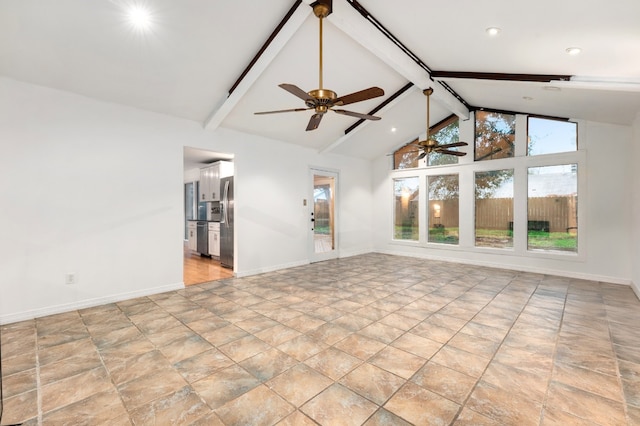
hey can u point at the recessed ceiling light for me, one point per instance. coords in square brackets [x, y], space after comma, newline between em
[393, 130]
[573, 50]
[493, 31]
[552, 88]
[139, 16]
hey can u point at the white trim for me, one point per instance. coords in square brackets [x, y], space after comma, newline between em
[87, 303]
[224, 106]
[520, 268]
[635, 289]
[335, 175]
[351, 253]
[271, 269]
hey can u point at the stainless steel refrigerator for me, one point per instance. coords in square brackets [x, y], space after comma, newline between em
[226, 222]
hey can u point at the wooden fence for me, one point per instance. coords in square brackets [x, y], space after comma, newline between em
[497, 213]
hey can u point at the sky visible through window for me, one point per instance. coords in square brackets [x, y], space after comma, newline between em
[551, 136]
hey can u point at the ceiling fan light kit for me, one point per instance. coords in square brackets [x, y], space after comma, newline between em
[322, 100]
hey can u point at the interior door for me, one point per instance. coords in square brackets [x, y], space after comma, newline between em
[323, 223]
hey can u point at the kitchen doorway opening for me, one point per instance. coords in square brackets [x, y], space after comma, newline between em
[202, 203]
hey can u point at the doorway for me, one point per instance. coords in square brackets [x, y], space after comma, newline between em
[323, 235]
[199, 268]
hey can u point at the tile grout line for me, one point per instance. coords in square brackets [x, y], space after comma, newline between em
[553, 357]
[38, 379]
[466, 400]
[625, 405]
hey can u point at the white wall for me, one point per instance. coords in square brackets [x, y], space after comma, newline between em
[97, 189]
[604, 203]
[635, 190]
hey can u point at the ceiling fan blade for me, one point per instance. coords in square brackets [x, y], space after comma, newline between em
[447, 151]
[451, 145]
[362, 95]
[282, 110]
[314, 121]
[421, 156]
[355, 114]
[295, 90]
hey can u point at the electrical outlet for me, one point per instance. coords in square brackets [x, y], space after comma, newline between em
[70, 278]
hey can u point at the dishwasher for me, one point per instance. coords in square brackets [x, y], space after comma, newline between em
[203, 238]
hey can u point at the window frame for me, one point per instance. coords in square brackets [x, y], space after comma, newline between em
[516, 143]
[424, 162]
[520, 163]
[545, 117]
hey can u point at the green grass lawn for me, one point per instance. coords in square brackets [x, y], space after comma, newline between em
[537, 240]
[552, 240]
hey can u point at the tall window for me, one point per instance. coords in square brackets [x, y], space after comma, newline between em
[443, 209]
[549, 136]
[495, 135]
[552, 208]
[494, 208]
[406, 214]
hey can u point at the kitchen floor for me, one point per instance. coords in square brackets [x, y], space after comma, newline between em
[199, 269]
[372, 339]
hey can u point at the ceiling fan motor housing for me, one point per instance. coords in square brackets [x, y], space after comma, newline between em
[322, 99]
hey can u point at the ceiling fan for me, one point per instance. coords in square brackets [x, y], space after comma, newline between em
[430, 145]
[322, 100]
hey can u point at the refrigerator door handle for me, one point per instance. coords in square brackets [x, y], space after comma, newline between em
[225, 201]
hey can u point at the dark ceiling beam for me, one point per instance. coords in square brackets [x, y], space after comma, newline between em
[286, 29]
[266, 44]
[536, 78]
[380, 106]
[369, 17]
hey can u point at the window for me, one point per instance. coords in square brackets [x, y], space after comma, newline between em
[447, 131]
[406, 192]
[495, 135]
[406, 157]
[444, 132]
[549, 136]
[552, 206]
[443, 209]
[531, 189]
[494, 208]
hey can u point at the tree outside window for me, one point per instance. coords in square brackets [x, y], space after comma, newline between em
[495, 135]
[406, 214]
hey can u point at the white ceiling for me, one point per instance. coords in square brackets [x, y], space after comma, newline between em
[194, 51]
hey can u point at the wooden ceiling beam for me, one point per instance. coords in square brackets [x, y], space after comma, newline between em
[289, 25]
[536, 78]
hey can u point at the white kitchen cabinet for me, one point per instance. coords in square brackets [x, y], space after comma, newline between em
[192, 233]
[214, 239]
[210, 180]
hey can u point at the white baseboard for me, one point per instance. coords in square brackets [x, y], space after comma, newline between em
[351, 253]
[536, 270]
[87, 303]
[257, 271]
[635, 289]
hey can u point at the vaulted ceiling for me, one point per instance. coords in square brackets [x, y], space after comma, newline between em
[194, 52]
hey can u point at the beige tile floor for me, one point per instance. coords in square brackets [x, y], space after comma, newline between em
[372, 339]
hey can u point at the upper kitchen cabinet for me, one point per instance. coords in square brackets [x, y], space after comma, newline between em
[210, 179]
